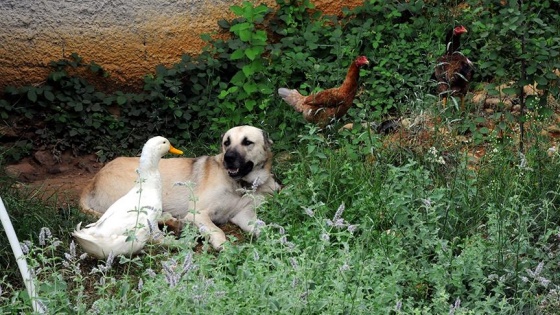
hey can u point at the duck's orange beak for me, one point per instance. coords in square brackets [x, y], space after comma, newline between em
[174, 150]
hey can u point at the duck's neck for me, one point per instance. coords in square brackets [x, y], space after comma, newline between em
[148, 168]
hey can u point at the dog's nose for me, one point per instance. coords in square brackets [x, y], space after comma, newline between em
[230, 156]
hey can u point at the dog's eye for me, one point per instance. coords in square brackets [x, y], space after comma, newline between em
[246, 142]
[227, 142]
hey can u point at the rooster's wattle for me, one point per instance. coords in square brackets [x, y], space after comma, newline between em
[453, 70]
[321, 107]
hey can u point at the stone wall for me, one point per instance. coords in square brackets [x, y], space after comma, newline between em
[128, 38]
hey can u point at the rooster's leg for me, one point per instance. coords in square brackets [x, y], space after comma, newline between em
[462, 103]
[444, 101]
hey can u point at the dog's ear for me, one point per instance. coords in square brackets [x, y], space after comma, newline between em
[267, 141]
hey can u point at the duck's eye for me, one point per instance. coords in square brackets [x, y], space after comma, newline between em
[246, 142]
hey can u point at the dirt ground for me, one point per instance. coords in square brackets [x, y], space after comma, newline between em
[60, 177]
[55, 179]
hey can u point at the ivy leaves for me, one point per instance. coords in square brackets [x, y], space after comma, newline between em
[233, 81]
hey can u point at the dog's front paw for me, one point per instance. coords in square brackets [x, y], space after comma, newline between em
[217, 242]
[174, 225]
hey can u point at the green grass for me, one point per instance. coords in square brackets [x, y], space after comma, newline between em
[399, 233]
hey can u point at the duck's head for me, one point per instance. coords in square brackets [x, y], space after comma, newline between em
[160, 146]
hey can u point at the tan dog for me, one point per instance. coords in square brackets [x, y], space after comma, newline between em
[216, 186]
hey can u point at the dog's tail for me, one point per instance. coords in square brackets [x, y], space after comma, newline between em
[85, 201]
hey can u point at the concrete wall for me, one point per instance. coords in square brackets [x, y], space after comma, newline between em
[128, 38]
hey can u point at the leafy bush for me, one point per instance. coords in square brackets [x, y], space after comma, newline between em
[346, 235]
[234, 80]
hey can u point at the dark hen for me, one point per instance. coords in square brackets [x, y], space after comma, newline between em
[325, 105]
[453, 70]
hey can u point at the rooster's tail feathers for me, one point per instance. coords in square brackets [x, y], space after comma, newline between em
[292, 97]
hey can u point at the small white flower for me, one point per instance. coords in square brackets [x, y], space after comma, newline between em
[339, 223]
[295, 282]
[339, 212]
[72, 248]
[294, 263]
[543, 281]
[398, 306]
[204, 230]
[309, 212]
[457, 303]
[256, 183]
[25, 247]
[539, 268]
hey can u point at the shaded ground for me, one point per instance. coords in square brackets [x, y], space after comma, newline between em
[60, 177]
[54, 178]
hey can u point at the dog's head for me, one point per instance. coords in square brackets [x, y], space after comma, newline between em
[246, 153]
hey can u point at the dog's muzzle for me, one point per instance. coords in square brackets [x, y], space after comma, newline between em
[235, 164]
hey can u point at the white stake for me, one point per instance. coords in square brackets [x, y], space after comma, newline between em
[22, 263]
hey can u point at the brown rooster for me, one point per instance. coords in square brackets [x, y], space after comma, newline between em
[453, 70]
[321, 107]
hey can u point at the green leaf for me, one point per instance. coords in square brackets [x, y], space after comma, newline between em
[94, 67]
[49, 96]
[238, 54]
[250, 88]
[541, 80]
[96, 107]
[484, 130]
[250, 104]
[510, 91]
[121, 99]
[260, 35]
[248, 70]
[253, 52]
[240, 27]
[239, 78]
[237, 10]
[245, 35]
[32, 95]
[223, 23]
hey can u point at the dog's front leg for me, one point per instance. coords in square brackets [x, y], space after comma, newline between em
[206, 226]
[247, 220]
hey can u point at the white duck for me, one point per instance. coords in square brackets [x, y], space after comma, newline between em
[124, 227]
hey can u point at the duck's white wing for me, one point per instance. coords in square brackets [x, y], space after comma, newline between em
[131, 208]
